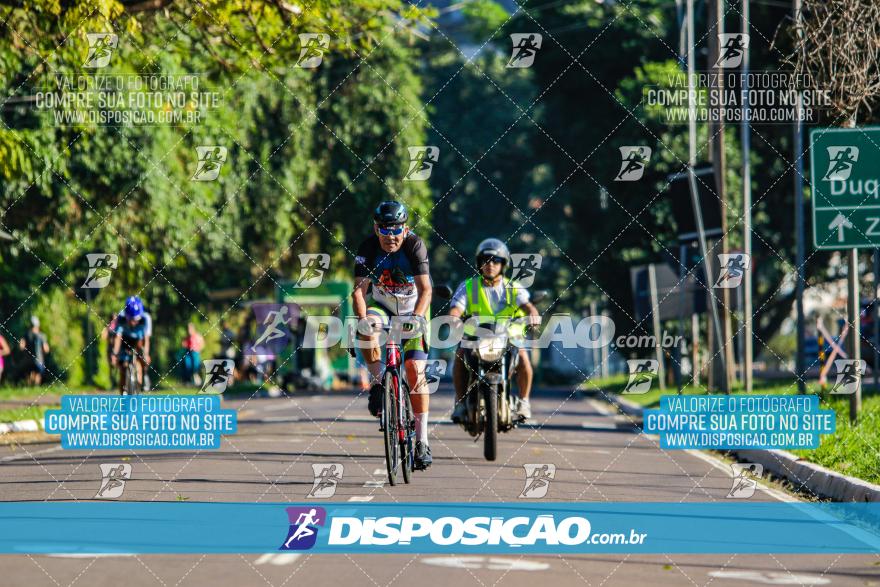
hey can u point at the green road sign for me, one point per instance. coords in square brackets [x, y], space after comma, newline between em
[845, 176]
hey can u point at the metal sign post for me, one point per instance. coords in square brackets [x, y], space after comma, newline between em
[655, 320]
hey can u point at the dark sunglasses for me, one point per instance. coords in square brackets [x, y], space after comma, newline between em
[391, 230]
[492, 259]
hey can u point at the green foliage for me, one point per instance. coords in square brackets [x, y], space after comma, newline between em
[61, 322]
[309, 153]
[483, 18]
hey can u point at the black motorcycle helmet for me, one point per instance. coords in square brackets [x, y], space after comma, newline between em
[390, 212]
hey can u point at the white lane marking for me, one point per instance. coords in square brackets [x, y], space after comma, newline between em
[28, 454]
[271, 419]
[771, 578]
[721, 465]
[360, 498]
[378, 471]
[89, 554]
[480, 562]
[374, 484]
[278, 558]
[598, 426]
[276, 440]
[359, 419]
[601, 408]
[289, 404]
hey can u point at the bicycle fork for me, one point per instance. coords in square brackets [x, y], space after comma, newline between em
[393, 364]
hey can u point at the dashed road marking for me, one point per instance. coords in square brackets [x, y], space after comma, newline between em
[771, 578]
[481, 562]
[278, 558]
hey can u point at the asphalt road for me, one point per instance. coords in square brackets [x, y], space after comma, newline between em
[597, 458]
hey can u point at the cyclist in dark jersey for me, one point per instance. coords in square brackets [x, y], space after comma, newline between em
[129, 344]
[394, 261]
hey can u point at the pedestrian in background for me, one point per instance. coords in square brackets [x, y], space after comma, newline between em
[192, 344]
[35, 344]
[4, 352]
[109, 334]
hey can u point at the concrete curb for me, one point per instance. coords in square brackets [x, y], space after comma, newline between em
[802, 474]
[19, 426]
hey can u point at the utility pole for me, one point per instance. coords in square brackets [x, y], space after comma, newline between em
[800, 361]
[692, 183]
[716, 149]
[745, 130]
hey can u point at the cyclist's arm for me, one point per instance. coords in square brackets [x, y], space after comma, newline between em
[534, 317]
[359, 296]
[424, 289]
[117, 344]
[458, 301]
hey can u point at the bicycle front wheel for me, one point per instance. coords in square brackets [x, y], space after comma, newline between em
[407, 452]
[390, 414]
[130, 387]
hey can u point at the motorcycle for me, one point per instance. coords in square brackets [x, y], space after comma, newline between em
[491, 359]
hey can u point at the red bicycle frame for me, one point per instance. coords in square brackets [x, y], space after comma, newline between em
[393, 363]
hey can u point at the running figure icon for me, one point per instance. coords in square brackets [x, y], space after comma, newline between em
[279, 318]
[303, 522]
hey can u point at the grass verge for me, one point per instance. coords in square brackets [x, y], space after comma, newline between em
[853, 449]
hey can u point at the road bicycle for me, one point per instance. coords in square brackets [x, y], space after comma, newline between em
[398, 422]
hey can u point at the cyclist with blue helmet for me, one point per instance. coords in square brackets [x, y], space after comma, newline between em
[132, 339]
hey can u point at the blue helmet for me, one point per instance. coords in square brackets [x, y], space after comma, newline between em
[134, 308]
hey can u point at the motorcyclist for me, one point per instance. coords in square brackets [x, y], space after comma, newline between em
[494, 298]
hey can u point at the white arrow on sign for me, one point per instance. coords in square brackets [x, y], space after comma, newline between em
[840, 222]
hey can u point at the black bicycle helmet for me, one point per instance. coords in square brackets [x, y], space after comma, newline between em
[390, 212]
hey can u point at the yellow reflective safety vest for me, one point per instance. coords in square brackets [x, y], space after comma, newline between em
[478, 305]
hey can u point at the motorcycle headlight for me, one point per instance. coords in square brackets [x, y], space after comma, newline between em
[491, 348]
